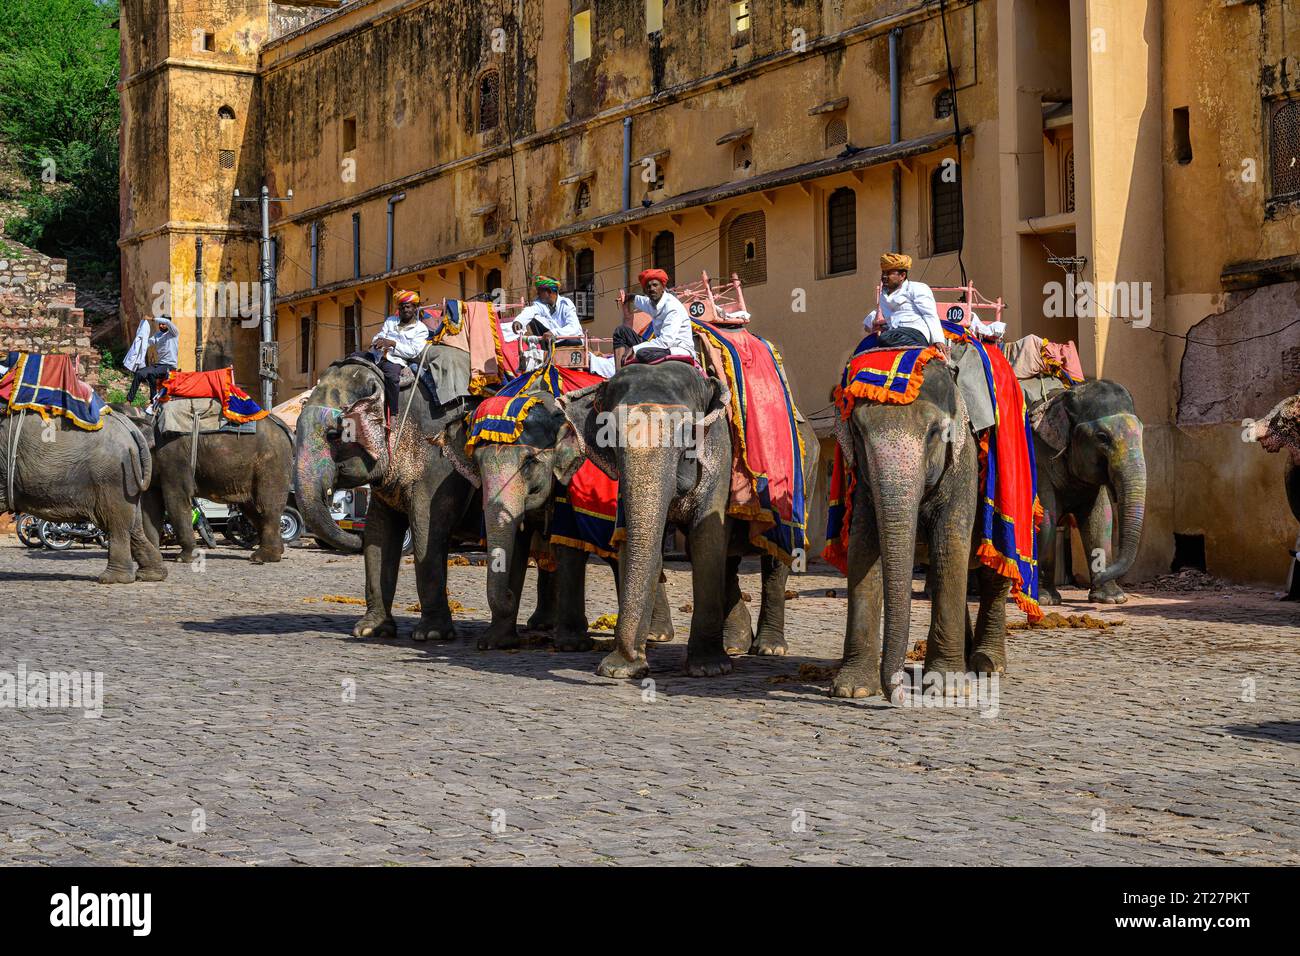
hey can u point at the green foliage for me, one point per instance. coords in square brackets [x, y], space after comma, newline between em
[59, 117]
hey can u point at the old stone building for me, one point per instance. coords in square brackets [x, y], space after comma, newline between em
[1147, 149]
[38, 307]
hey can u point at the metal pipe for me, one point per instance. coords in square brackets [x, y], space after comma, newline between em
[268, 295]
[198, 303]
[896, 136]
[627, 198]
[315, 254]
[392, 201]
[356, 245]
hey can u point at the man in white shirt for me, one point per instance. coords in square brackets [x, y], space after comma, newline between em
[551, 313]
[670, 325]
[401, 338]
[166, 345]
[907, 316]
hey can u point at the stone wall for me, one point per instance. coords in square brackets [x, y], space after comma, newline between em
[38, 310]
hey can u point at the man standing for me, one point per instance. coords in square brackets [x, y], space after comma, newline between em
[401, 339]
[550, 313]
[670, 326]
[907, 315]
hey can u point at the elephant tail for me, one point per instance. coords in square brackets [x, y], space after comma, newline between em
[141, 473]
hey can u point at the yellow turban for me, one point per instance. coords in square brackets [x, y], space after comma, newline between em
[406, 295]
[895, 260]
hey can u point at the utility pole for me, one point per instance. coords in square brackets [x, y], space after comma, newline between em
[268, 357]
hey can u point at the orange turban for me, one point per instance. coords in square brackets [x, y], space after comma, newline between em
[406, 295]
[895, 260]
[649, 274]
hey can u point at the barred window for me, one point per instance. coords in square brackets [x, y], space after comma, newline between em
[306, 343]
[1284, 150]
[664, 254]
[583, 200]
[943, 104]
[352, 328]
[489, 101]
[226, 159]
[1068, 200]
[945, 208]
[584, 267]
[747, 248]
[837, 132]
[842, 231]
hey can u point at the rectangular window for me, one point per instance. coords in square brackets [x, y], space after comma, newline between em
[1182, 136]
[654, 16]
[582, 36]
[209, 42]
[352, 328]
[306, 344]
[945, 208]
[1284, 150]
[349, 134]
[740, 23]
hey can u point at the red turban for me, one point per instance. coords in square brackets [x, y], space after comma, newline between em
[649, 274]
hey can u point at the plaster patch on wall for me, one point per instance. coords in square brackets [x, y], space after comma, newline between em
[1227, 374]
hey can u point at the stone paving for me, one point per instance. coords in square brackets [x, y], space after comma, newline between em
[1171, 739]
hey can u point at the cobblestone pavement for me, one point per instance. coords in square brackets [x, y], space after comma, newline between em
[225, 693]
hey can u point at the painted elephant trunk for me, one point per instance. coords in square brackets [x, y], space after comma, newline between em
[896, 514]
[1128, 472]
[650, 475]
[314, 475]
[504, 504]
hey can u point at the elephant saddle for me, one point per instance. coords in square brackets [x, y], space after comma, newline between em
[49, 386]
[218, 385]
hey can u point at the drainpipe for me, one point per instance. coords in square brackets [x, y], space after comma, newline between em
[896, 135]
[627, 198]
[315, 254]
[392, 201]
[198, 303]
[356, 245]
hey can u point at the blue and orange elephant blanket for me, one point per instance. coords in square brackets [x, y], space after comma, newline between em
[49, 386]
[217, 384]
[585, 514]
[1009, 513]
[768, 484]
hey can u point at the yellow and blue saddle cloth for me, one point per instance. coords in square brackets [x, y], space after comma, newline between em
[48, 385]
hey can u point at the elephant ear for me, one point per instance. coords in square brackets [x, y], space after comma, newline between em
[451, 440]
[960, 428]
[362, 424]
[581, 410]
[1051, 422]
[568, 455]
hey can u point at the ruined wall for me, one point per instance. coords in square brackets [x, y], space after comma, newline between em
[38, 310]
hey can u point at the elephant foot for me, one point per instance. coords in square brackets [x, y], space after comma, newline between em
[856, 682]
[982, 663]
[1048, 596]
[116, 576]
[158, 573]
[707, 665]
[769, 644]
[540, 621]
[499, 639]
[619, 667]
[741, 642]
[570, 641]
[661, 637]
[264, 557]
[185, 557]
[432, 630]
[376, 626]
[1108, 593]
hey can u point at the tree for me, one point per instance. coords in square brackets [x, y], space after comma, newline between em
[59, 117]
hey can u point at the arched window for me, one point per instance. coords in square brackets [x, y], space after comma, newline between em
[945, 208]
[584, 268]
[837, 132]
[842, 231]
[663, 254]
[492, 282]
[582, 202]
[1284, 150]
[225, 114]
[489, 101]
[746, 248]
[742, 157]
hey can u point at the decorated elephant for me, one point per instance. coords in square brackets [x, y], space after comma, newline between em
[1088, 445]
[341, 442]
[60, 472]
[662, 430]
[252, 469]
[909, 466]
[522, 474]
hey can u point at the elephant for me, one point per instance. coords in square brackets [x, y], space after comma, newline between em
[1278, 430]
[917, 472]
[341, 443]
[666, 476]
[1088, 447]
[520, 481]
[61, 472]
[251, 470]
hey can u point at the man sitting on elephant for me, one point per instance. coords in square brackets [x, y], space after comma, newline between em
[401, 339]
[551, 314]
[907, 315]
[670, 325]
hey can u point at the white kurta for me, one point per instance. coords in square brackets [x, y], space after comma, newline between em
[669, 323]
[910, 306]
[562, 321]
[137, 355]
[411, 339]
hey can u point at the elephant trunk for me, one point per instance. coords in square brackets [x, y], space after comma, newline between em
[650, 477]
[314, 474]
[1128, 475]
[505, 495]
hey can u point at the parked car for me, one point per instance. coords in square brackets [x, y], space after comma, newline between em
[239, 530]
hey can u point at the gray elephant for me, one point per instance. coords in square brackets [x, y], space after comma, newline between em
[917, 473]
[520, 481]
[1088, 447]
[251, 470]
[1276, 431]
[61, 472]
[341, 443]
[633, 427]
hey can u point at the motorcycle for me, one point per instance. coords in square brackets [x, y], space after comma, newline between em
[28, 528]
[62, 535]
